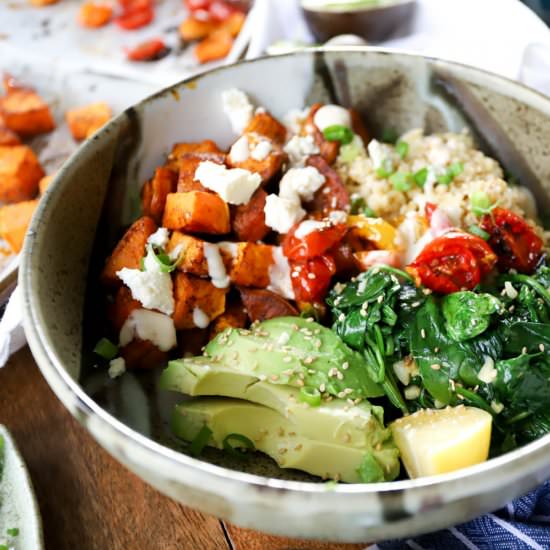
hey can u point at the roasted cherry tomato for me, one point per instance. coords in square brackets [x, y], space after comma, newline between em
[311, 278]
[197, 4]
[452, 262]
[149, 50]
[220, 11]
[512, 238]
[314, 243]
[134, 18]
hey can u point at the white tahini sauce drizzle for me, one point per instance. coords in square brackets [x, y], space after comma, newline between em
[216, 268]
[200, 318]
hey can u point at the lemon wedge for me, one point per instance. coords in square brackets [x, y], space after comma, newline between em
[436, 441]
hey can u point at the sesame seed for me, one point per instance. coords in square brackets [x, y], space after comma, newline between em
[435, 366]
[339, 375]
[317, 331]
[541, 347]
[298, 447]
[436, 350]
[347, 391]
[341, 317]
[310, 320]
[281, 432]
[311, 371]
[291, 434]
[351, 401]
[300, 383]
[308, 360]
[262, 377]
[345, 366]
[322, 388]
[275, 377]
[341, 395]
[311, 276]
[415, 304]
[380, 298]
[423, 333]
[294, 274]
[288, 372]
[524, 350]
[283, 450]
[287, 359]
[473, 322]
[426, 291]
[347, 437]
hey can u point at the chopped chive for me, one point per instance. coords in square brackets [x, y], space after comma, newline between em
[480, 203]
[444, 179]
[13, 532]
[240, 441]
[456, 169]
[165, 263]
[200, 441]
[401, 181]
[478, 232]
[421, 177]
[385, 169]
[389, 135]
[402, 148]
[106, 349]
[340, 133]
[349, 152]
[311, 396]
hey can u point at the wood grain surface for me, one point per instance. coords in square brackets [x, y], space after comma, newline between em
[88, 500]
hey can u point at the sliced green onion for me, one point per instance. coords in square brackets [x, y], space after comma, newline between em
[106, 349]
[389, 135]
[349, 152]
[3, 547]
[240, 441]
[311, 396]
[368, 212]
[13, 532]
[444, 179]
[480, 203]
[401, 181]
[420, 177]
[357, 205]
[476, 230]
[337, 132]
[385, 169]
[200, 441]
[402, 148]
[165, 263]
[456, 169]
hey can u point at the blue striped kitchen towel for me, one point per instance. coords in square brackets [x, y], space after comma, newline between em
[524, 524]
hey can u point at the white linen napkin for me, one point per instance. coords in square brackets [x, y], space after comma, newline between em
[502, 36]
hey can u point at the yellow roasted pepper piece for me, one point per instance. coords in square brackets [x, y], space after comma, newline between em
[434, 441]
[375, 230]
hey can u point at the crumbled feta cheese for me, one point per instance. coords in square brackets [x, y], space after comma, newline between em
[309, 226]
[300, 182]
[216, 267]
[117, 367]
[149, 325]
[240, 150]
[377, 153]
[238, 108]
[200, 319]
[150, 287]
[488, 373]
[299, 148]
[338, 216]
[159, 237]
[294, 119]
[281, 214]
[262, 150]
[234, 185]
[510, 291]
[332, 115]
[279, 275]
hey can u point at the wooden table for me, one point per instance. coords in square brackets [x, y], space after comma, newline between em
[88, 500]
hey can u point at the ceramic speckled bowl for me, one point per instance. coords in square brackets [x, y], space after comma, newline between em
[75, 226]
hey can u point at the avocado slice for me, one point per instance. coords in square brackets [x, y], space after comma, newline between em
[295, 352]
[336, 421]
[284, 440]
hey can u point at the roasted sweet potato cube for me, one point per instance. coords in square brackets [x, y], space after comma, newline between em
[121, 308]
[197, 212]
[191, 341]
[143, 355]
[191, 258]
[7, 136]
[184, 148]
[94, 14]
[163, 183]
[40, 3]
[267, 167]
[26, 113]
[146, 197]
[215, 46]
[14, 222]
[20, 173]
[234, 23]
[268, 126]
[251, 265]
[129, 250]
[248, 220]
[262, 304]
[197, 301]
[233, 317]
[188, 164]
[44, 183]
[329, 149]
[196, 29]
[84, 121]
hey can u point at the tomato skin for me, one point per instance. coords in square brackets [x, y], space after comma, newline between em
[452, 262]
[197, 4]
[516, 244]
[311, 278]
[313, 244]
[135, 18]
[147, 51]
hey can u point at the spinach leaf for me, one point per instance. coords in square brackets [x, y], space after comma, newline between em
[468, 314]
[528, 337]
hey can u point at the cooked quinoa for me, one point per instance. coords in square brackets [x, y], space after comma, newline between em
[436, 153]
